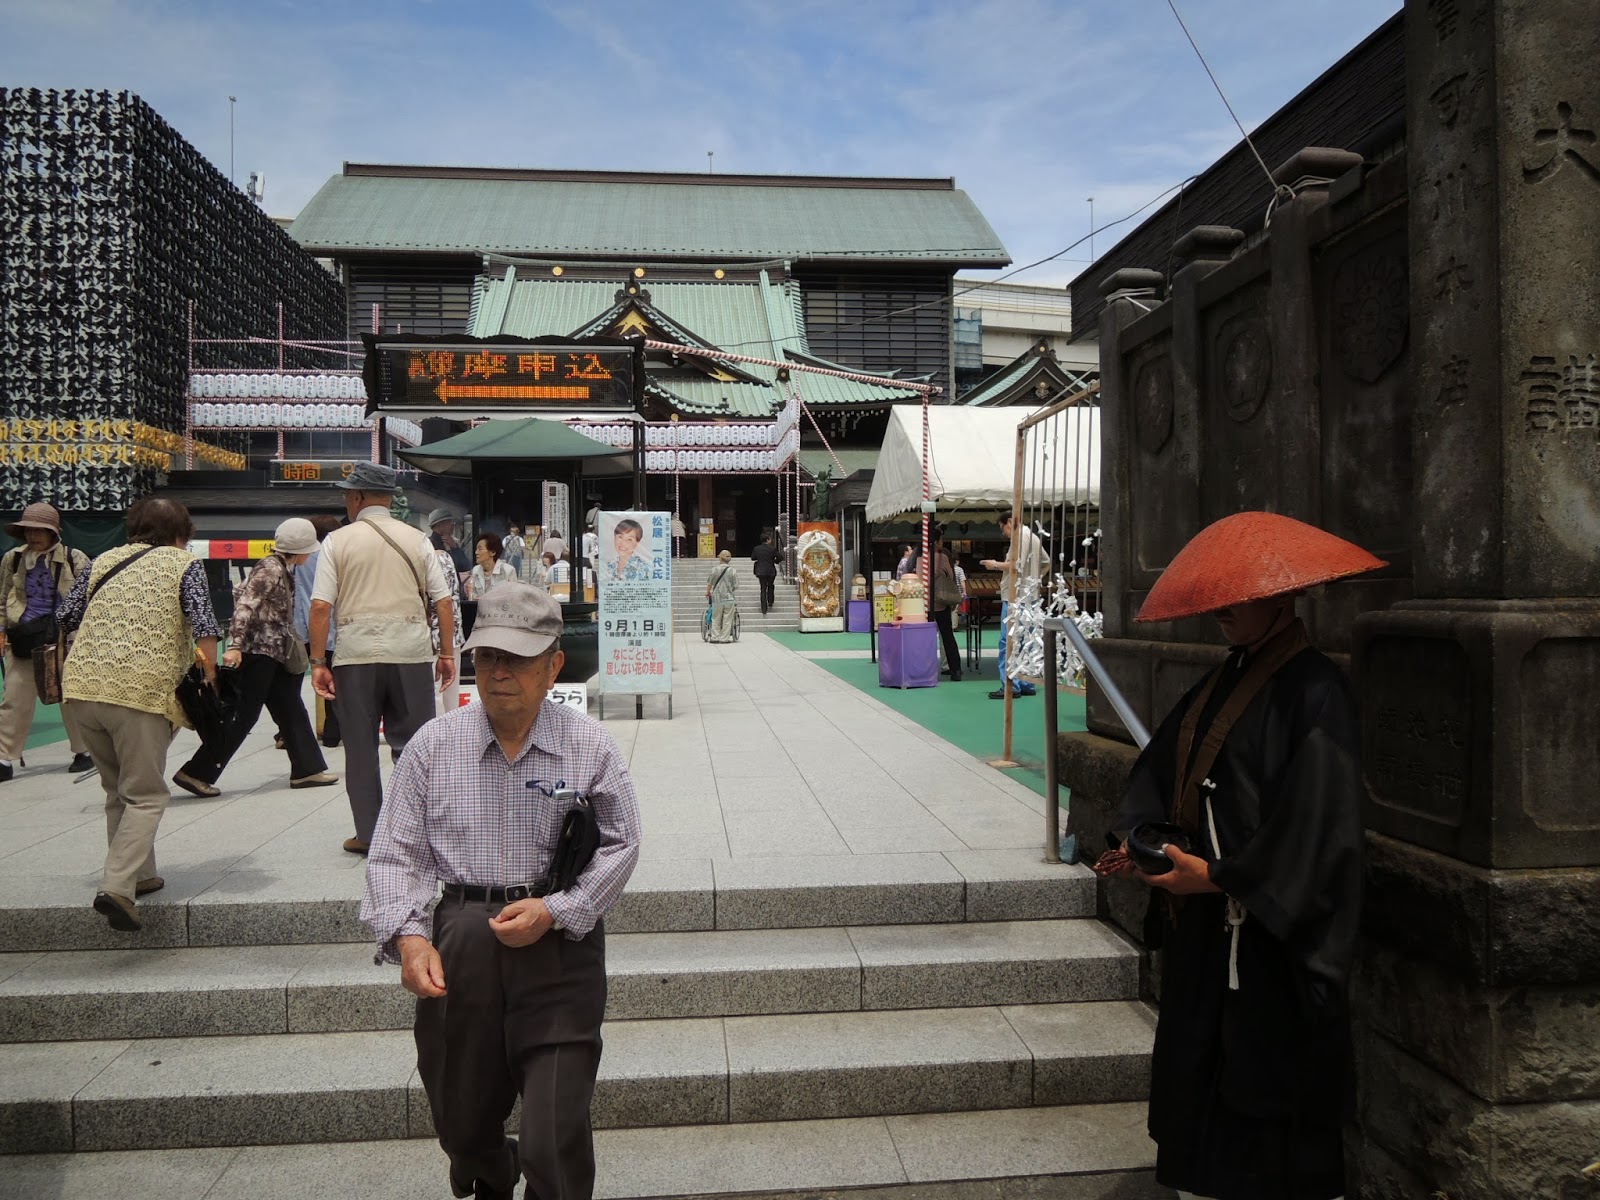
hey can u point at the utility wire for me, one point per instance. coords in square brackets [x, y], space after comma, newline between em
[900, 312]
[1267, 171]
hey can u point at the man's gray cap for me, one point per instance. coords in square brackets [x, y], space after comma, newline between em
[370, 477]
[440, 514]
[518, 618]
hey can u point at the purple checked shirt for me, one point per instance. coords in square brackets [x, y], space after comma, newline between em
[456, 812]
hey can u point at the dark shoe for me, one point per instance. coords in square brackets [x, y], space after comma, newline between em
[145, 886]
[479, 1190]
[1027, 691]
[356, 845]
[194, 786]
[80, 763]
[6, 773]
[998, 694]
[122, 913]
[332, 743]
[320, 779]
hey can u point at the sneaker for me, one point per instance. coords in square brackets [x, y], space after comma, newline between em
[320, 779]
[6, 773]
[79, 764]
[194, 786]
[145, 886]
[122, 913]
[356, 845]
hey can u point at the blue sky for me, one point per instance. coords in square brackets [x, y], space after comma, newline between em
[1032, 105]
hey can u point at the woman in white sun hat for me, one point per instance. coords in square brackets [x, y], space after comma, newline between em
[271, 662]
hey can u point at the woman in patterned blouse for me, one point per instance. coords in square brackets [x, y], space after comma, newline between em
[262, 640]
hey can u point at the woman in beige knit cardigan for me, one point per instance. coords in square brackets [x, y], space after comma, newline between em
[140, 612]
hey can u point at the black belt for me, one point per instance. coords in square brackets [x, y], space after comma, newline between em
[496, 895]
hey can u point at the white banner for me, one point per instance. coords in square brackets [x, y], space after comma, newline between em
[635, 602]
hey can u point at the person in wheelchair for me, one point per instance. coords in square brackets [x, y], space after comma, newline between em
[720, 589]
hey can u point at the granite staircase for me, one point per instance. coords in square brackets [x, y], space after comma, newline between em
[689, 597]
[774, 1026]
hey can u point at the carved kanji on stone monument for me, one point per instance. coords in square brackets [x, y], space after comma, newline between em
[1561, 145]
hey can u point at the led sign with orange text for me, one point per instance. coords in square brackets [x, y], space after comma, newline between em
[499, 375]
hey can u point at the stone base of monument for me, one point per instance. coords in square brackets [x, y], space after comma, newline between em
[1474, 1001]
[821, 624]
[1478, 736]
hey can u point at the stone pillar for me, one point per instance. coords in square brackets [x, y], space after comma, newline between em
[1480, 988]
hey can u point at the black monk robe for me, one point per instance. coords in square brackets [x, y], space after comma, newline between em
[1250, 1087]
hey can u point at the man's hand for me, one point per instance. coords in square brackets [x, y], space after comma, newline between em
[1190, 874]
[421, 968]
[522, 922]
[322, 681]
[990, 564]
[444, 670]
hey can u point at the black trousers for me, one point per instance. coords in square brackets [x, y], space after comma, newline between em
[513, 1022]
[263, 682]
[947, 635]
[768, 591]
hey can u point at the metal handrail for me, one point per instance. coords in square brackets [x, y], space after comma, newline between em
[1130, 719]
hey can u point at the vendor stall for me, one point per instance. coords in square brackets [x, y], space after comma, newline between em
[974, 464]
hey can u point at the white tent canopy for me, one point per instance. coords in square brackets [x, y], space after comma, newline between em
[972, 460]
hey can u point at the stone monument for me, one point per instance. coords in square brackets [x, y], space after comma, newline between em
[1481, 979]
[1409, 357]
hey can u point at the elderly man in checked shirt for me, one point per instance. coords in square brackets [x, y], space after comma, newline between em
[511, 985]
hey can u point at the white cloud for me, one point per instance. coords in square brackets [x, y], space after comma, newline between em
[1032, 105]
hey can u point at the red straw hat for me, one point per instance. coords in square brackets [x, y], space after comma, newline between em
[1250, 556]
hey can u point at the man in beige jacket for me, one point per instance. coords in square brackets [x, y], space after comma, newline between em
[383, 577]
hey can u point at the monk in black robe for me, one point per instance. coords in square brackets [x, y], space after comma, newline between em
[1252, 1077]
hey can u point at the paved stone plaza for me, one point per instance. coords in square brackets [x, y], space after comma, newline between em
[840, 963]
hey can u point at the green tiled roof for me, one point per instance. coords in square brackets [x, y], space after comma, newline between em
[1021, 369]
[754, 317]
[639, 217]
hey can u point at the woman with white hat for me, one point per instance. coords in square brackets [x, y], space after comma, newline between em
[271, 661]
[33, 578]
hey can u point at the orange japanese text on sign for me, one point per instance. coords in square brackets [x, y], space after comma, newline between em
[585, 366]
[434, 363]
[537, 365]
[486, 365]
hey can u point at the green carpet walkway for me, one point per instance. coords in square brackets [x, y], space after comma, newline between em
[961, 713]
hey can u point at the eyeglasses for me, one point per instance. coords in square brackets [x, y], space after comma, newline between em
[488, 659]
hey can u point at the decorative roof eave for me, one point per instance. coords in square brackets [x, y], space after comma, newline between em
[1033, 377]
[661, 327]
[654, 389]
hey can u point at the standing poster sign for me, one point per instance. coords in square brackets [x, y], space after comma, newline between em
[635, 602]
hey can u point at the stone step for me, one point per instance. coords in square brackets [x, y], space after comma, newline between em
[100, 994]
[1080, 1152]
[325, 1087]
[197, 908]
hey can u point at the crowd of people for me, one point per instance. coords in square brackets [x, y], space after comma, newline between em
[510, 827]
[520, 814]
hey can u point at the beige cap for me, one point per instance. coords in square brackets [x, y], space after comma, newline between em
[295, 536]
[517, 618]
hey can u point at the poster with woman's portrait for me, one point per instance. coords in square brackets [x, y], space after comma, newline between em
[635, 581]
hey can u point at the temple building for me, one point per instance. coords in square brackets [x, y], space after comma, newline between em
[841, 274]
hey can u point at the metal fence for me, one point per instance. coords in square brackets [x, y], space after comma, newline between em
[1056, 500]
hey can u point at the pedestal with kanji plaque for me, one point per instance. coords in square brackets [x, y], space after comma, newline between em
[1479, 988]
